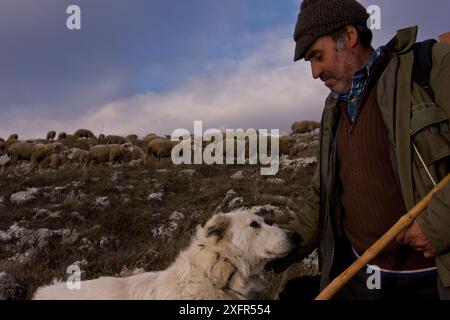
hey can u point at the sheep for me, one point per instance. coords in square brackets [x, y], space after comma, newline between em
[42, 151]
[304, 126]
[132, 138]
[51, 135]
[20, 151]
[12, 136]
[109, 153]
[160, 148]
[84, 133]
[62, 135]
[112, 139]
[150, 137]
[78, 155]
[53, 161]
[101, 139]
[285, 145]
[139, 154]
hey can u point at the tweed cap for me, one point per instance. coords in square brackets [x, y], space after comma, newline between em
[318, 18]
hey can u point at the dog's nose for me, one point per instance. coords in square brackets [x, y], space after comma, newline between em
[294, 237]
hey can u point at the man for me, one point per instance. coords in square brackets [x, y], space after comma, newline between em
[378, 129]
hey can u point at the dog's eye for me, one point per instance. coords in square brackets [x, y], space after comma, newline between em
[255, 225]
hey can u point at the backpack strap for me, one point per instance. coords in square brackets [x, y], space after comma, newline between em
[422, 65]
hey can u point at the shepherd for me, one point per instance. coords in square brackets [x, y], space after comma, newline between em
[385, 143]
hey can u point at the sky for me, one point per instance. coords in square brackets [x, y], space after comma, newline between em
[157, 65]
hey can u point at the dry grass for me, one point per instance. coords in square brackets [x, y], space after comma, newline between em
[127, 222]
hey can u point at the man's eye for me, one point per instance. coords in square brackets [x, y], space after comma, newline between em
[255, 224]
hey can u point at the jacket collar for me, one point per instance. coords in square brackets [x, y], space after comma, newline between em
[404, 40]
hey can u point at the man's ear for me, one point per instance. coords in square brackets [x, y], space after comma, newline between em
[217, 226]
[352, 36]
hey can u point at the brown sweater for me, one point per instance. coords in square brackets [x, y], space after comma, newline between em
[371, 197]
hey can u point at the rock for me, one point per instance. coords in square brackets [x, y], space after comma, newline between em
[176, 216]
[235, 202]
[155, 198]
[10, 289]
[102, 202]
[77, 184]
[109, 243]
[238, 175]
[69, 237]
[276, 181]
[187, 172]
[4, 159]
[164, 231]
[86, 245]
[114, 176]
[25, 257]
[77, 215]
[136, 163]
[24, 196]
[74, 197]
[44, 213]
[149, 258]
[295, 164]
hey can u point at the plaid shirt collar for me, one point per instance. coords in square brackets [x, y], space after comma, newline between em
[359, 81]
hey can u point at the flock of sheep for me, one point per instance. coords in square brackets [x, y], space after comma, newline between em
[84, 149]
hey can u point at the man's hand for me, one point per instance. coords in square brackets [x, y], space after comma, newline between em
[414, 237]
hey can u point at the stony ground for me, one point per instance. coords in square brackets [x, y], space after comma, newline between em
[129, 219]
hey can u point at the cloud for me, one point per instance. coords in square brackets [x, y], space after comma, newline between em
[262, 90]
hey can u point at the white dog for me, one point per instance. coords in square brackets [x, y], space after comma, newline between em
[225, 260]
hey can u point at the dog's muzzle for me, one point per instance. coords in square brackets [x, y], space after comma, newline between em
[281, 264]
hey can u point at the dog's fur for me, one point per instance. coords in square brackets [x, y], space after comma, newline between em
[225, 260]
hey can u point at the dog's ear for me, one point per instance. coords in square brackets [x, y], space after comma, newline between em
[217, 227]
[221, 273]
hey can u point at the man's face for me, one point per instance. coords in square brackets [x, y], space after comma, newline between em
[334, 68]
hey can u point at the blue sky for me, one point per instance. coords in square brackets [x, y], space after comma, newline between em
[153, 66]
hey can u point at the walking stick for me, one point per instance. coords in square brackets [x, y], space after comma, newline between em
[380, 244]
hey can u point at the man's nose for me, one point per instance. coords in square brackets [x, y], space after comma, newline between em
[316, 70]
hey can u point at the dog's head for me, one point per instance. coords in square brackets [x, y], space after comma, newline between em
[247, 233]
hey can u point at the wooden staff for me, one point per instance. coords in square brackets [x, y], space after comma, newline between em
[381, 243]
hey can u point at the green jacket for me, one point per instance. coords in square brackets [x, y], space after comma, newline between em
[410, 116]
